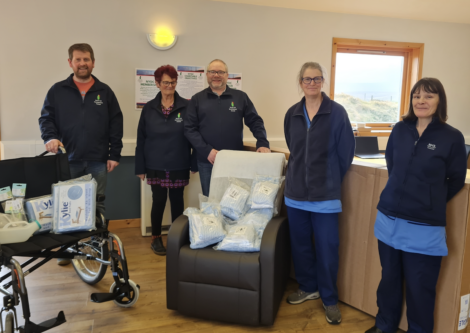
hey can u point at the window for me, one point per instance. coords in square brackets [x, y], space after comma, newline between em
[373, 79]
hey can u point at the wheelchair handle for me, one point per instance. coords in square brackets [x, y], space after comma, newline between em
[60, 151]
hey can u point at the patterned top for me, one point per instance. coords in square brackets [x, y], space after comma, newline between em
[167, 182]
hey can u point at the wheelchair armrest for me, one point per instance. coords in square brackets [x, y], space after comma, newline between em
[178, 236]
[275, 256]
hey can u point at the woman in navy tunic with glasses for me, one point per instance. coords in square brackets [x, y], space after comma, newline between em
[321, 144]
[427, 164]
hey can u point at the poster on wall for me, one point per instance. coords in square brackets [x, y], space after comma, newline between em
[235, 81]
[190, 80]
[145, 87]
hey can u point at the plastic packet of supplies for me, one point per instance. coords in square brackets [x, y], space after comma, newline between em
[212, 207]
[240, 238]
[74, 206]
[259, 221]
[15, 208]
[264, 191]
[40, 209]
[234, 199]
[204, 229]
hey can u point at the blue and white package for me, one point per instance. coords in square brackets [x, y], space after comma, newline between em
[240, 238]
[264, 191]
[40, 209]
[234, 199]
[204, 229]
[74, 206]
[259, 221]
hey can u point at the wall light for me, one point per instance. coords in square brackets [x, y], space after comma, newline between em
[162, 40]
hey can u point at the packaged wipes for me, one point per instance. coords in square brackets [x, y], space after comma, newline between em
[40, 209]
[234, 199]
[5, 193]
[19, 190]
[204, 229]
[240, 238]
[74, 206]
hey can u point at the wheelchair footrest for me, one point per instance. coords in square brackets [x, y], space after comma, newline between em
[103, 297]
[31, 327]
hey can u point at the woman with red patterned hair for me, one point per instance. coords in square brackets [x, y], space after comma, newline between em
[163, 154]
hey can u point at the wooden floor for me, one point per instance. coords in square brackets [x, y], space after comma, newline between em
[53, 288]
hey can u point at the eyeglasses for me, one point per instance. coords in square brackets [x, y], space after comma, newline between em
[166, 83]
[316, 79]
[216, 72]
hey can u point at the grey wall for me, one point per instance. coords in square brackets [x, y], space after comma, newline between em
[268, 45]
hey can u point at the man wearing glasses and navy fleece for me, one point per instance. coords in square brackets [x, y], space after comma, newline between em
[215, 121]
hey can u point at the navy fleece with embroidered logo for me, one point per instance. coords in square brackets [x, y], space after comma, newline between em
[424, 172]
[91, 129]
[216, 122]
[161, 144]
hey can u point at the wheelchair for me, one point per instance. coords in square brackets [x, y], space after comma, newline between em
[91, 252]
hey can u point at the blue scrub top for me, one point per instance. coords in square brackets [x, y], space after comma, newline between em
[409, 236]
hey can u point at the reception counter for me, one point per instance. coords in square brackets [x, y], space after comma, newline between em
[360, 269]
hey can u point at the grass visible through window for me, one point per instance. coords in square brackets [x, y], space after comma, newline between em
[369, 86]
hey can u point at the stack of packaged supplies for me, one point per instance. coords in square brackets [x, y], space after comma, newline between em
[237, 223]
[71, 207]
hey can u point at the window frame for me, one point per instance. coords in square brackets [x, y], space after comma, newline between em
[413, 54]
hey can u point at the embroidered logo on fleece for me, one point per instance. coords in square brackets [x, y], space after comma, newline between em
[98, 100]
[233, 108]
[178, 119]
[431, 146]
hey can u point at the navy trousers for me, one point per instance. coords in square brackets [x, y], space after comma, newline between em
[315, 264]
[420, 273]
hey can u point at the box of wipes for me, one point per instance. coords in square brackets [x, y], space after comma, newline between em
[40, 209]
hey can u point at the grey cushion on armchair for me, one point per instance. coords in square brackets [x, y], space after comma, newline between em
[242, 288]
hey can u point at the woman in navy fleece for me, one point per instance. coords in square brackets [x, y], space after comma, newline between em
[321, 144]
[163, 154]
[427, 164]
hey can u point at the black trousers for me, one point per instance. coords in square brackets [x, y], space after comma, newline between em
[159, 196]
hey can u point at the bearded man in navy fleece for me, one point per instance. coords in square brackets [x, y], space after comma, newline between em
[215, 121]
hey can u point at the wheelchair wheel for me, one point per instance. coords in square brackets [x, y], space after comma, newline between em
[125, 302]
[91, 271]
[9, 327]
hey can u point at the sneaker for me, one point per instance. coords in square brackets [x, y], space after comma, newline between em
[157, 246]
[63, 262]
[332, 314]
[301, 296]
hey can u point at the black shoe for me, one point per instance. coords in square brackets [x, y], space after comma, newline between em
[374, 329]
[157, 246]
